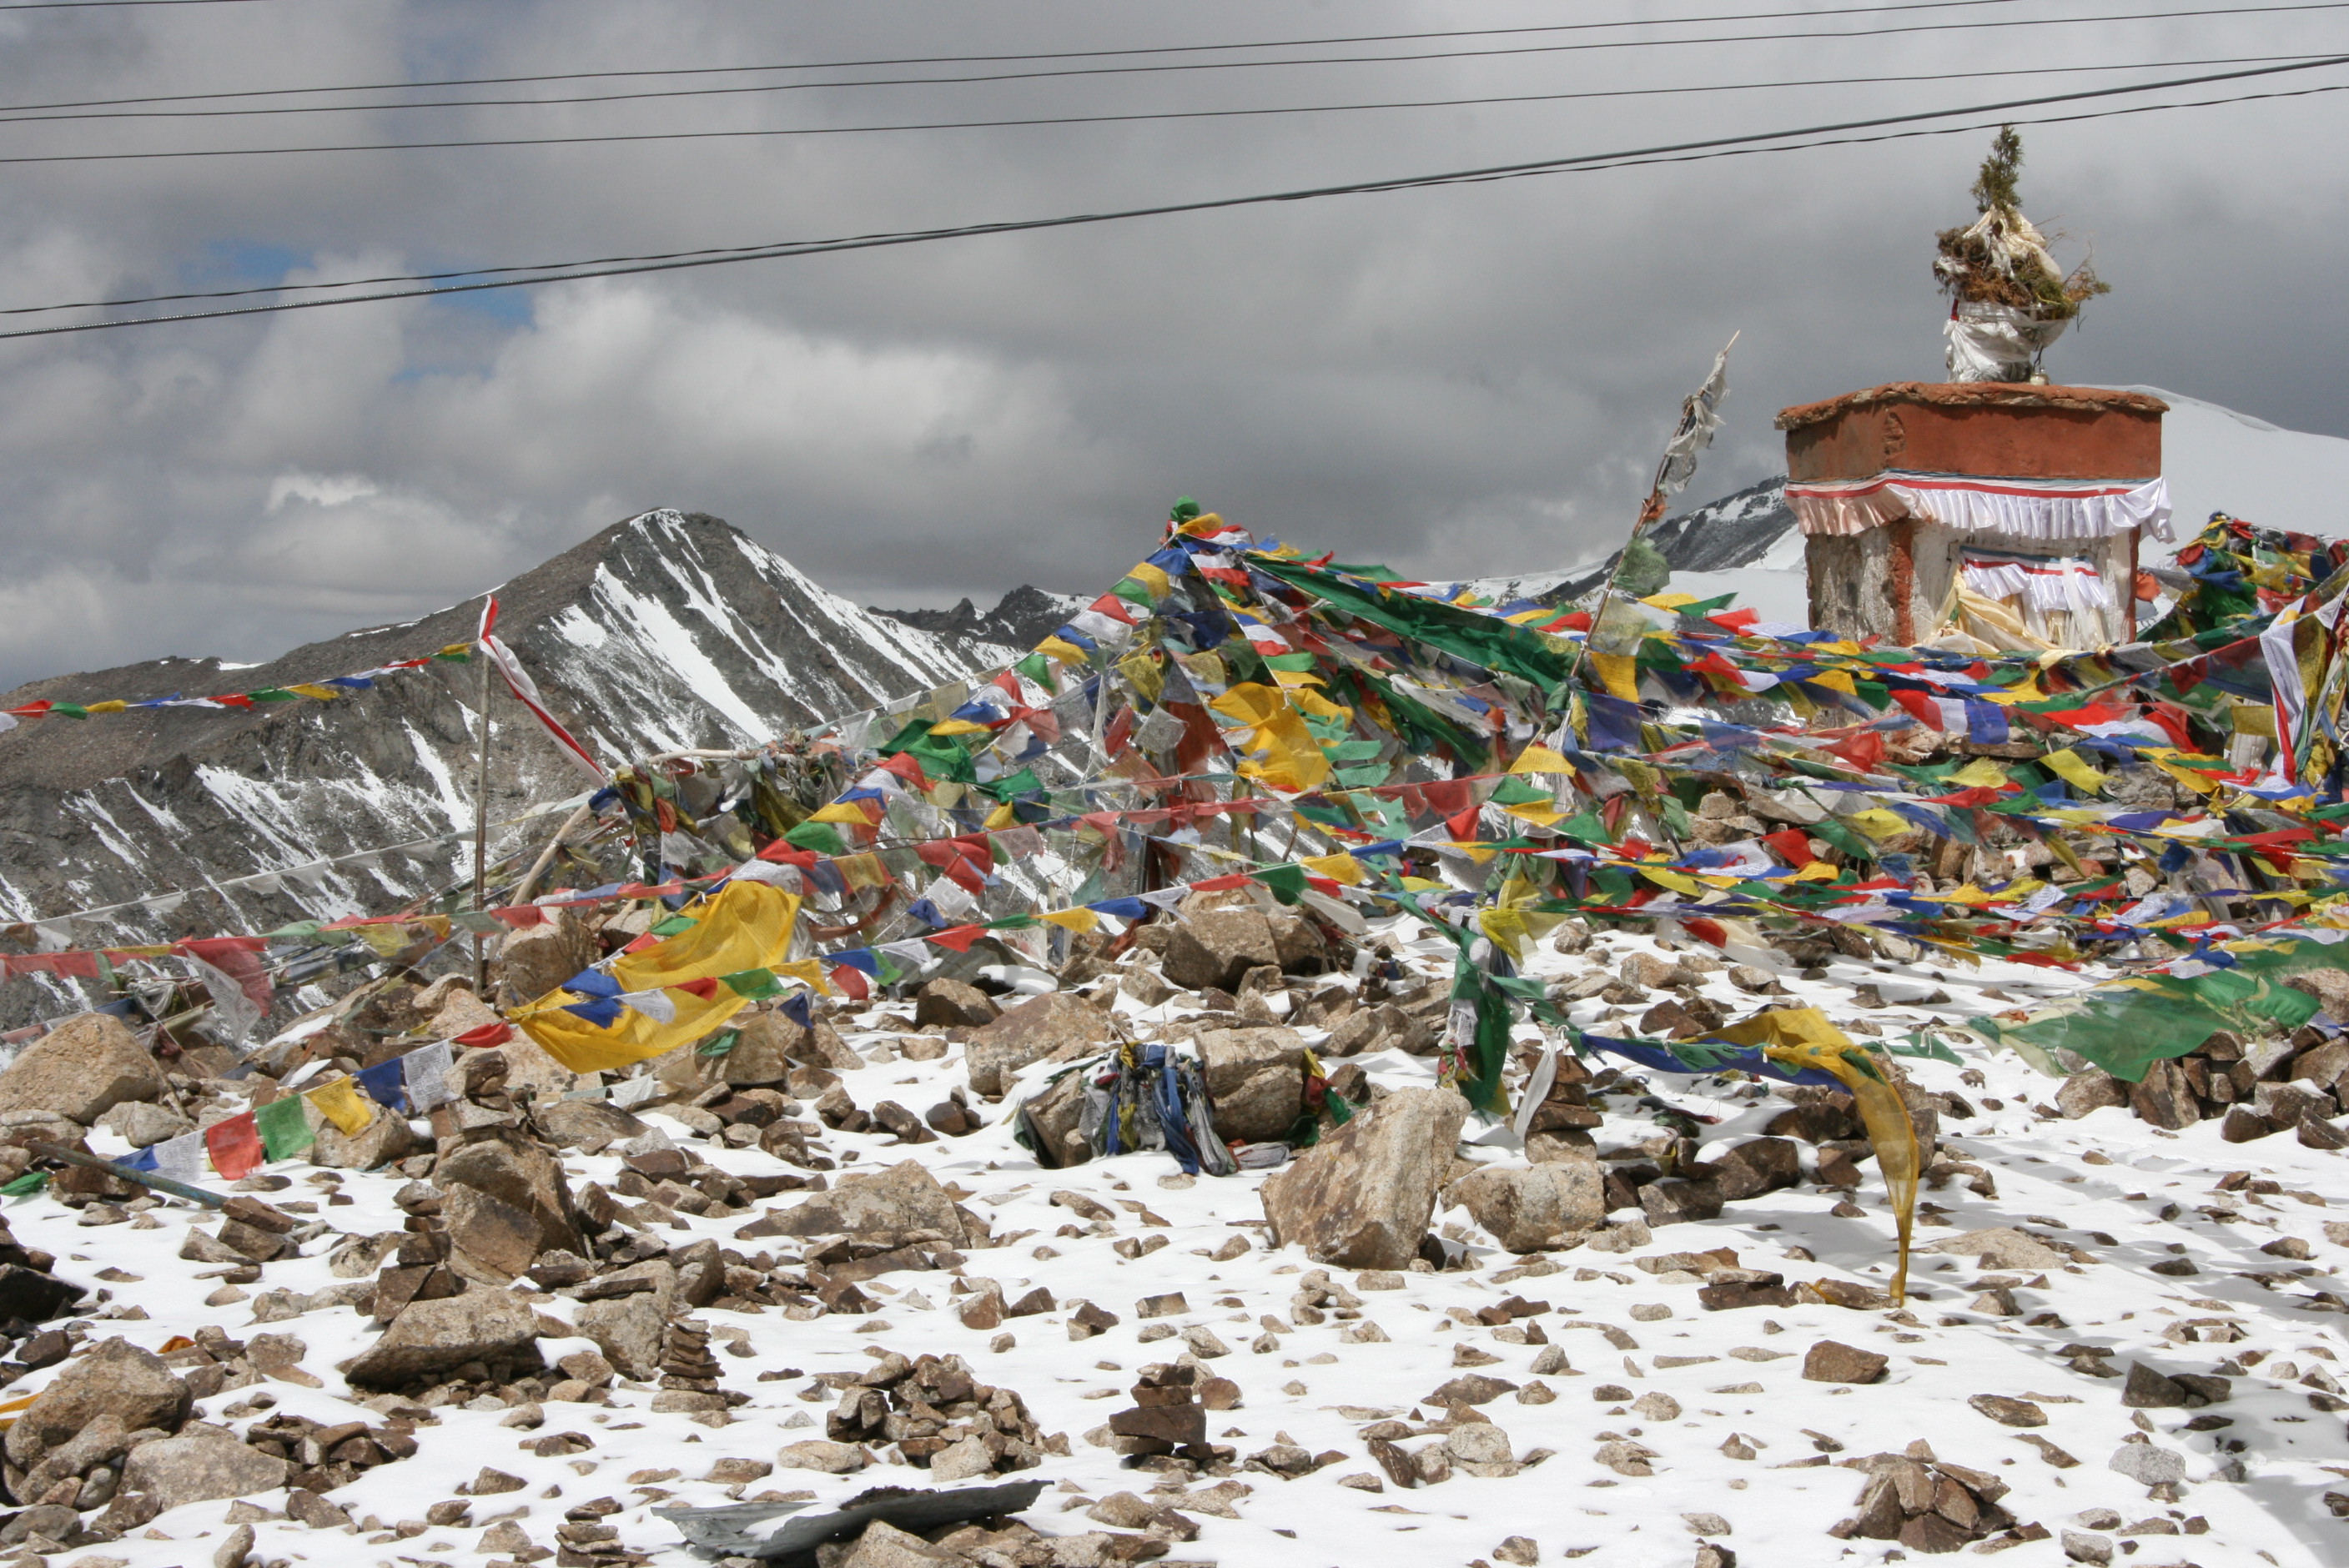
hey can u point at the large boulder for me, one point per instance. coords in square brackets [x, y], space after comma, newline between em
[430, 1337]
[82, 1069]
[1361, 1197]
[1057, 1115]
[142, 1123]
[1297, 943]
[952, 1004]
[1537, 1208]
[1215, 947]
[1056, 1026]
[770, 1043]
[203, 1464]
[117, 1379]
[901, 1200]
[489, 1240]
[588, 1124]
[519, 1172]
[1257, 1081]
[378, 1143]
[629, 1329]
[536, 959]
[530, 1069]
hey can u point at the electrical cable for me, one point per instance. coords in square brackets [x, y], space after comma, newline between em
[990, 60]
[1677, 152]
[1156, 115]
[26, 115]
[6, 118]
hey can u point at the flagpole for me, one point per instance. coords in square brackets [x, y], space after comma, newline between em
[1694, 411]
[482, 823]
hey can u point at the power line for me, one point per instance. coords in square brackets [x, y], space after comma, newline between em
[992, 60]
[1169, 115]
[30, 114]
[1678, 152]
[103, 4]
[756, 133]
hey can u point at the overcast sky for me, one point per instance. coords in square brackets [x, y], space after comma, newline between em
[1459, 381]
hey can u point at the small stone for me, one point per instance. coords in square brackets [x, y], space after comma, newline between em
[2150, 1466]
[2009, 1412]
[2082, 1547]
[1658, 1406]
[1518, 1549]
[1705, 1523]
[815, 1454]
[2148, 1389]
[1832, 1362]
[234, 1551]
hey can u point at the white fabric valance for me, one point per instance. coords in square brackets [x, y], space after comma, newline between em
[2042, 584]
[2020, 509]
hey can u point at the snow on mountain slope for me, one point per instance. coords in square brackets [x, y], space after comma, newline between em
[662, 632]
[2219, 460]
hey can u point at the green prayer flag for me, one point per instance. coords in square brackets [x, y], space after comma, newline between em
[823, 838]
[284, 1128]
[752, 984]
[1286, 884]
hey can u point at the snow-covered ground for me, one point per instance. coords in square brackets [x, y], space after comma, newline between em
[2115, 1194]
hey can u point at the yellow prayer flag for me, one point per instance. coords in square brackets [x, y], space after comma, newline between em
[1152, 578]
[311, 688]
[957, 727]
[1803, 1037]
[1341, 867]
[861, 871]
[1618, 673]
[112, 705]
[1003, 816]
[2076, 770]
[1982, 773]
[1285, 754]
[1506, 927]
[1877, 823]
[849, 812]
[1077, 920]
[1685, 886]
[808, 972]
[2200, 783]
[1143, 672]
[1835, 680]
[339, 1103]
[747, 925]
[1065, 652]
[1540, 758]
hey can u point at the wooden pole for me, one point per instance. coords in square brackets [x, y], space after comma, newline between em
[481, 834]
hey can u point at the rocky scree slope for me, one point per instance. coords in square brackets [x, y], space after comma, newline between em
[512, 1333]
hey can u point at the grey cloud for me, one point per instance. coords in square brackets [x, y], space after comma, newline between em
[1461, 381]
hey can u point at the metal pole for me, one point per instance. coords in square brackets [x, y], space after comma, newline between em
[481, 834]
[143, 1178]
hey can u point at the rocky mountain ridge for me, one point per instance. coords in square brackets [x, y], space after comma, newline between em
[665, 632]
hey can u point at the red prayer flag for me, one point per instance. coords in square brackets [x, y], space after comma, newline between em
[234, 1146]
[484, 1035]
